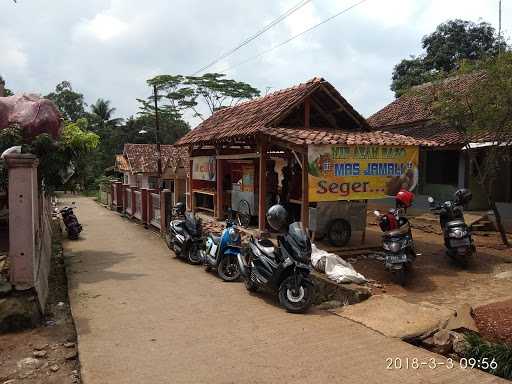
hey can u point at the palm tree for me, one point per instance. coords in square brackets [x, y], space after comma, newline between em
[102, 113]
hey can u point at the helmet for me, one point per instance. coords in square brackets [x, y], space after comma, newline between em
[462, 196]
[180, 208]
[404, 198]
[277, 217]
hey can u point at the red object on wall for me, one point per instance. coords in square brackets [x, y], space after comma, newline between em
[34, 114]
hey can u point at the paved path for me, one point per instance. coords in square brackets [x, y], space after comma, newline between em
[144, 317]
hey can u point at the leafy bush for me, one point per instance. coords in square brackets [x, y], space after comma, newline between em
[478, 349]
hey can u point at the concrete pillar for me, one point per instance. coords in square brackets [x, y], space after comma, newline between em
[144, 205]
[125, 191]
[134, 203]
[119, 196]
[165, 198]
[23, 218]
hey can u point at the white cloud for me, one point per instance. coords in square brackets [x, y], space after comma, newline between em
[103, 27]
[108, 48]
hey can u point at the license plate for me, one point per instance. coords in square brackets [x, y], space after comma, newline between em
[393, 259]
[455, 243]
[213, 250]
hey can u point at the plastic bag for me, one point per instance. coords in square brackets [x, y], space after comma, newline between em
[335, 267]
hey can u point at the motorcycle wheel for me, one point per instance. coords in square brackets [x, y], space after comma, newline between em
[250, 285]
[194, 255]
[228, 269]
[168, 241]
[400, 276]
[296, 301]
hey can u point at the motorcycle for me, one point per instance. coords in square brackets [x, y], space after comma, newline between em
[73, 227]
[221, 252]
[458, 241]
[398, 244]
[184, 235]
[285, 268]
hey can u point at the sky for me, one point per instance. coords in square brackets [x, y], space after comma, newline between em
[108, 48]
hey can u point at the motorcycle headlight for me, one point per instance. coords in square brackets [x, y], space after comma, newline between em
[392, 246]
[234, 236]
[457, 233]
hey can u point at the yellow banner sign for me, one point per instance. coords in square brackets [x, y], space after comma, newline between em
[360, 172]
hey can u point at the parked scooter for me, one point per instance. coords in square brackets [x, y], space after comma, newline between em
[221, 252]
[397, 240]
[457, 235]
[286, 268]
[183, 235]
[73, 227]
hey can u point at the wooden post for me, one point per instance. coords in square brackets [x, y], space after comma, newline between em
[307, 109]
[305, 192]
[190, 196]
[262, 187]
[305, 184]
[220, 194]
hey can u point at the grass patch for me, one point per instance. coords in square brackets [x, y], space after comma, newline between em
[479, 349]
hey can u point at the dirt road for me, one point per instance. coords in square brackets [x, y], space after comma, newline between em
[144, 317]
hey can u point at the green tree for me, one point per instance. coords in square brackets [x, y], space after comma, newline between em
[7, 91]
[212, 90]
[70, 103]
[451, 42]
[484, 111]
[102, 114]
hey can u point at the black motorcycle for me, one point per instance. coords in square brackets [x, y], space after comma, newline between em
[458, 241]
[184, 235]
[73, 227]
[285, 268]
[397, 242]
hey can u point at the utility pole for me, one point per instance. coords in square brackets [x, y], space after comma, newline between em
[157, 134]
[499, 30]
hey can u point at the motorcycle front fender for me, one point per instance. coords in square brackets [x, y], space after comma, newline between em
[244, 268]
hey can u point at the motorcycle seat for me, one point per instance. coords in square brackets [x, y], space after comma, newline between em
[404, 229]
[455, 223]
[215, 239]
[266, 246]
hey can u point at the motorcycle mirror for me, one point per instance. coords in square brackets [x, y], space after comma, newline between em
[376, 213]
[430, 199]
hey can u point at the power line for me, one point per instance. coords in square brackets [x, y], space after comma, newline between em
[293, 37]
[292, 10]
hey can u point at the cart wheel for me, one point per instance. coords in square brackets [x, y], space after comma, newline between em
[339, 232]
[244, 213]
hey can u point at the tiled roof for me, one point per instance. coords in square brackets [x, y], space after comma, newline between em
[412, 107]
[301, 136]
[251, 117]
[122, 163]
[142, 158]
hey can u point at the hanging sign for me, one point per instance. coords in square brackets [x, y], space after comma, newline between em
[360, 172]
[204, 168]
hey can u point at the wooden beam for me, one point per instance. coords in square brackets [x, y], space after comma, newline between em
[341, 105]
[190, 199]
[307, 112]
[330, 119]
[262, 187]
